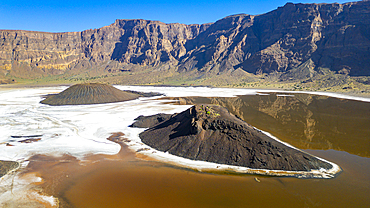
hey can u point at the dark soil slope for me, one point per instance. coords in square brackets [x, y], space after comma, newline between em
[150, 121]
[211, 133]
[90, 93]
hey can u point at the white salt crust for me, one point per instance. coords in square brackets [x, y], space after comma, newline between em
[83, 129]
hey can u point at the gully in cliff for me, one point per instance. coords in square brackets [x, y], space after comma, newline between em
[212, 139]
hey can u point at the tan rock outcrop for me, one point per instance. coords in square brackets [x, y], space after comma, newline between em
[332, 36]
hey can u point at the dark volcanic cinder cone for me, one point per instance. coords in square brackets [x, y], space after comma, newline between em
[210, 133]
[91, 93]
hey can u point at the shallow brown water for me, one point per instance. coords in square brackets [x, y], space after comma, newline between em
[137, 183]
[329, 128]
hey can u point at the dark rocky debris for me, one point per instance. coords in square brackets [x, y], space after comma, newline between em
[150, 121]
[144, 94]
[27, 136]
[211, 133]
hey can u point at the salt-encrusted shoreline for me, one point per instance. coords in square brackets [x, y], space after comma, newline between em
[329, 94]
[17, 189]
[82, 130]
[12, 169]
[344, 95]
[136, 145]
[13, 153]
[233, 92]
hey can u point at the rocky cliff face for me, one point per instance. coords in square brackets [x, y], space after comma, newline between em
[303, 39]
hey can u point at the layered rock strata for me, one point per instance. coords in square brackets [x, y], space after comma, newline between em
[301, 40]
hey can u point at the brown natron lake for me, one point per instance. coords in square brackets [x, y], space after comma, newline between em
[334, 129]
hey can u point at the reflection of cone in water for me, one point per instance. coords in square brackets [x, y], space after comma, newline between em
[90, 93]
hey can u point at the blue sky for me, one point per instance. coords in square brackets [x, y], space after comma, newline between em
[78, 15]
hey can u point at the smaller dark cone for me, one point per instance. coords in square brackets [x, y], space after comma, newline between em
[91, 93]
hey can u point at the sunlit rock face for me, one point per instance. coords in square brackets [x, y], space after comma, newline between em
[210, 133]
[300, 39]
[90, 93]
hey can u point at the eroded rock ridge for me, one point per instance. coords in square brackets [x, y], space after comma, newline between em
[301, 40]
